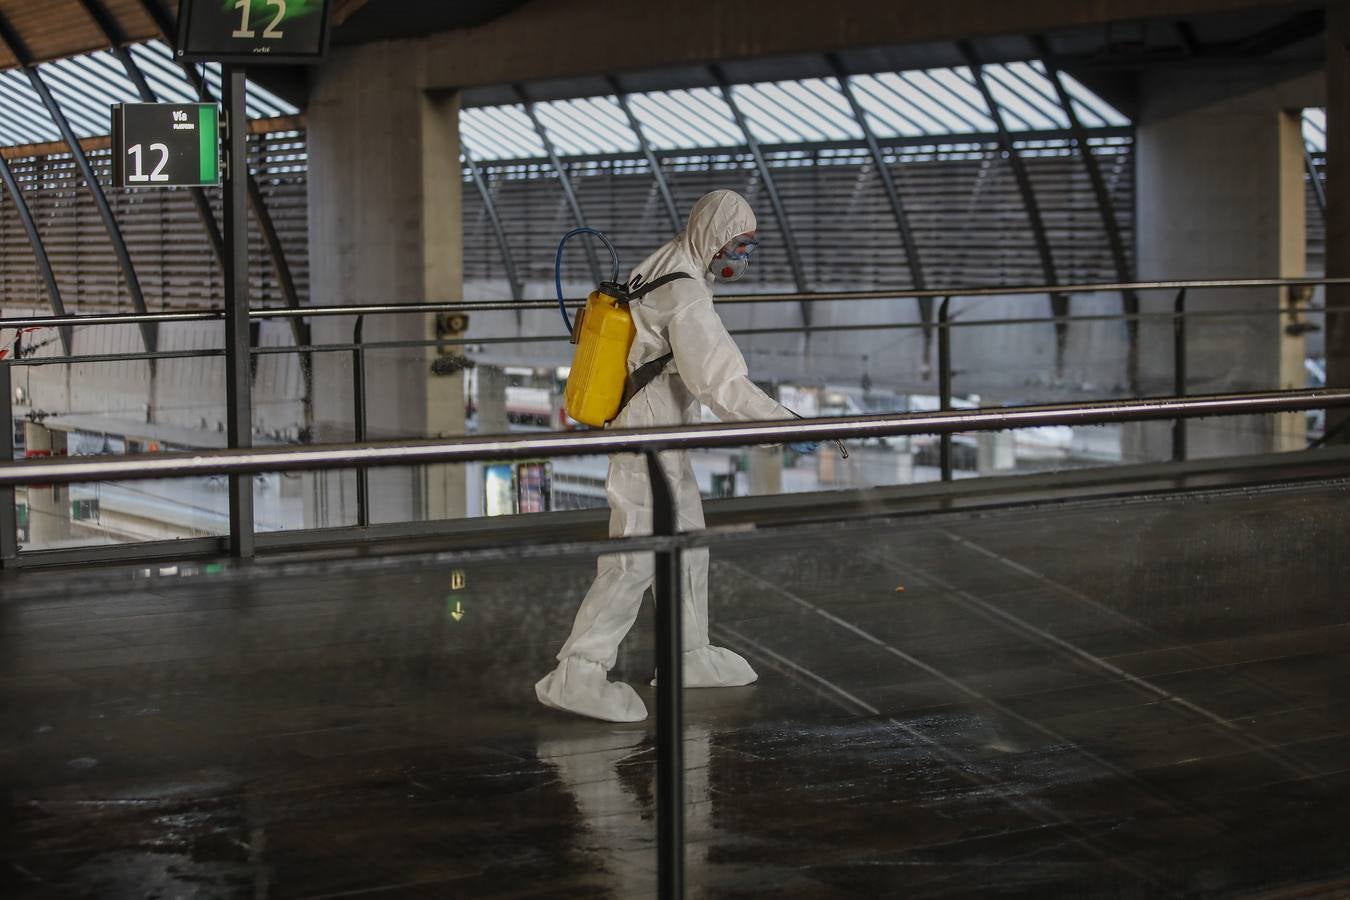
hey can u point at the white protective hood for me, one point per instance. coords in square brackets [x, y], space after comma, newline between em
[680, 318]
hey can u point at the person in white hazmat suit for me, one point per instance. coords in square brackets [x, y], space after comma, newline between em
[707, 369]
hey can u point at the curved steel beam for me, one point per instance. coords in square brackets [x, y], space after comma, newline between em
[19, 50]
[39, 250]
[658, 174]
[569, 193]
[113, 33]
[912, 260]
[1059, 303]
[1104, 205]
[508, 262]
[784, 226]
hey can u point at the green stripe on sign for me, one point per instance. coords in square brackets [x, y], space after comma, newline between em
[208, 143]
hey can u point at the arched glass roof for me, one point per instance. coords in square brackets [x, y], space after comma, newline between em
[938, 103]
[85, 86]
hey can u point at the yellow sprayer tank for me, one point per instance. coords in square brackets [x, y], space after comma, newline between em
[603, 333]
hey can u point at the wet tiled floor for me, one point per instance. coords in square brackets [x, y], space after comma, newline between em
[1141, 698]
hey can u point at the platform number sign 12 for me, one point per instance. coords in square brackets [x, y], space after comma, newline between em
[252, 32]
[165, 144]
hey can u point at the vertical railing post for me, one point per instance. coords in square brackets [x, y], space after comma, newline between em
[238, 368]
[669, 686]
[359, 420]
[1179, 371]
[945, 384]
[9, 523]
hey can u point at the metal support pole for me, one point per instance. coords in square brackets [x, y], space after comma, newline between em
[1179, 371]
[945, 383]
[276, 253]
[569, 193]
[238, 383]
[1059, 303]
[770, 188]
[912, 260]
[359, 420]
[44, 264]
[19, 50]
[9, 524]
[1104, 207]
[669, 688]
[658, 174]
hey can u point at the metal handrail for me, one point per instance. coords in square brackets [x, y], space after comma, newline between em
[952, 322]
[587, 443]
[206, 315]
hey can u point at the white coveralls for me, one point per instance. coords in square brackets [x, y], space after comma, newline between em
[707, 369]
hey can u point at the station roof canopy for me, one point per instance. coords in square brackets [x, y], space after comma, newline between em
[940, 103]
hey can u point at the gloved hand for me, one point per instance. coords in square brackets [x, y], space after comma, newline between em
[810, 446]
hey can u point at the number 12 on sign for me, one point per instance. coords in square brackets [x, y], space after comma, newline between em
[271, 31]
[137, 173]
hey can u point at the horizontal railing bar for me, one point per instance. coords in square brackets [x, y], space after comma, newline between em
[592, 443]
[733, 299]
[116, 357]
[187, 315]
[738, 332]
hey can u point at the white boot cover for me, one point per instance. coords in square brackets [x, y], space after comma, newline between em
[710, 667]
[583, 687]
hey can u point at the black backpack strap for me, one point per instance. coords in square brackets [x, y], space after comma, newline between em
[637, 289]
[646, 373]
[642, 376]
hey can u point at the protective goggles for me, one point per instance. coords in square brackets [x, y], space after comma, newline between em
[739, 247]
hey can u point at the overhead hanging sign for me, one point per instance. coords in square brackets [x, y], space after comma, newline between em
[165, 144]
[252, 32]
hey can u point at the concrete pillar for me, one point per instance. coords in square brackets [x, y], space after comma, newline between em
[1338, 207]
[385, 227]
[766, 470]
[48, 506]
[442, 247]
[1205, 210]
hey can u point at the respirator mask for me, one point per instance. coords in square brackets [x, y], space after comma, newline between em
[730, 263]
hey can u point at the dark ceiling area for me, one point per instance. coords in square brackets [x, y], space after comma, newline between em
[365, 21]
[1107, 57]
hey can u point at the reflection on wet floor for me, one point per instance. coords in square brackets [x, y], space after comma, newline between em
[1123, 699]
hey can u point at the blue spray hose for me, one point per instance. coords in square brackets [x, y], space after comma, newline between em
[557, 267]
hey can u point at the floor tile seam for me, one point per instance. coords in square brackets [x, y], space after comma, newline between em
[269, 652]
[981, 607]
[1027, 806]
[1265, 785]
[1188, 649]
[1123, 774]
[1242, 663]
[1194, 648]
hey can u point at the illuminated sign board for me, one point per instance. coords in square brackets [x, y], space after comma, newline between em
[165, 144]
[252, 32]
